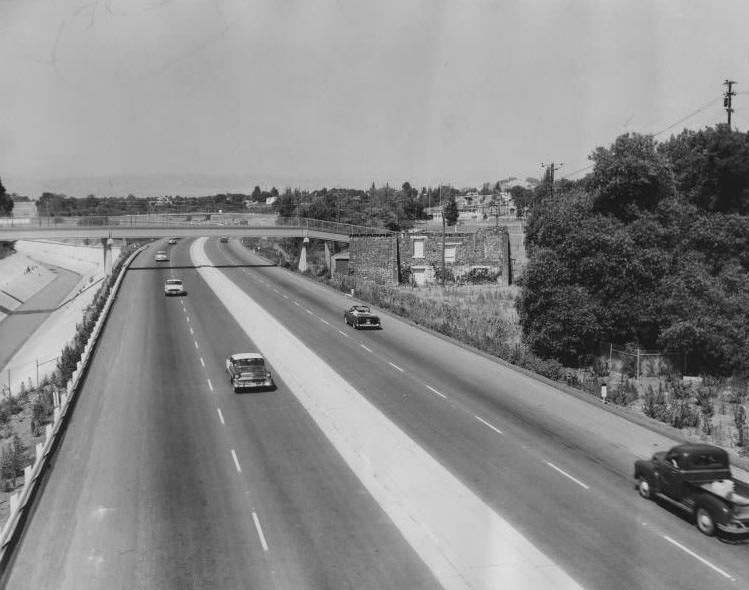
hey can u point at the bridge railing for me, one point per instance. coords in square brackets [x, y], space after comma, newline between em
[187, 220]
[332, 226]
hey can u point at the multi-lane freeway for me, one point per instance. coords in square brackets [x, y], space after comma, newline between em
[167, 479]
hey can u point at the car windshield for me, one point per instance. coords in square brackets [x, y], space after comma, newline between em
[361, 308]
[248, 362]
[173, 282]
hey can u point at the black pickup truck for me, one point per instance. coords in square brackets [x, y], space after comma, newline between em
[697, 479]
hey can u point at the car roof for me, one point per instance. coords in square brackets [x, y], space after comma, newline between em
[246, 355]
[693, 448]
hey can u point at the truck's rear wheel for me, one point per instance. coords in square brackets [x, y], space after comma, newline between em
[704, 521]
[643, 487]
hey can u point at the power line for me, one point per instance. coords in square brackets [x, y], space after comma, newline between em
[689, 116]
[657, 133]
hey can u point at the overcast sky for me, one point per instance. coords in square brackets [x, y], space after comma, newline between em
[343, 93]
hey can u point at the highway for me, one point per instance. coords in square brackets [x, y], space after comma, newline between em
[167, 479]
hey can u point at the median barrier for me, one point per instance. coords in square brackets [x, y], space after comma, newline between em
[21, 502]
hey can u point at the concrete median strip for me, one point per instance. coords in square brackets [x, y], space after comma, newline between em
[460, 538]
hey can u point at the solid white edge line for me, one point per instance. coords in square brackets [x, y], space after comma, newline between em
[567, 475]
[326, 322]
[702, 559]
[236, 461]
[485, 423]
[432, 389]
[396, 367]
[259, 531]
[210, 385]
[366, 348]
[202, 362]
[220, 416]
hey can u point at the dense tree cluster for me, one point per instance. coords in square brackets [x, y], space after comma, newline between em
[650, 249]
[6, 202]
[60, 205]
[378, 207]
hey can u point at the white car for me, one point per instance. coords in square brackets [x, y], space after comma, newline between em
[174, 287]
[161, 256]
[172, 241]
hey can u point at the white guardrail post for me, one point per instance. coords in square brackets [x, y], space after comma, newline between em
[19, 501]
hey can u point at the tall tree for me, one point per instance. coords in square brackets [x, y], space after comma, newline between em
[630, 177]
[6, 202]
[450, 211]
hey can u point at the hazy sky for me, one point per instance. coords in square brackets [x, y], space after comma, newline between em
[326, 93]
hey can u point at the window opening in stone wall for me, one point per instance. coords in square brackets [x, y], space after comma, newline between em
[418, 248]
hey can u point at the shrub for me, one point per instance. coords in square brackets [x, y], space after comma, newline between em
[739, 418]
[705, 404]
[625, 393]
[11, 463]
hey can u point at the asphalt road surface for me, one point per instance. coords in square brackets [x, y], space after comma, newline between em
[167, 479]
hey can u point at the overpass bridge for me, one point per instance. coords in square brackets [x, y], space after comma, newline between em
[159, 225]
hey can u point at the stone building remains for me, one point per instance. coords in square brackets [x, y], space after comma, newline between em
[417, 257]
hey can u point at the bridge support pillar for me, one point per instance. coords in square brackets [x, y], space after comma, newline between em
[105, 246]
[303, 256]
[328, 263]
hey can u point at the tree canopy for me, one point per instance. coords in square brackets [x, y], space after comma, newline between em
[651, 249]
[6, 202]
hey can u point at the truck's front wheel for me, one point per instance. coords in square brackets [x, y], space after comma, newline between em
[705, 521]
[643, 487]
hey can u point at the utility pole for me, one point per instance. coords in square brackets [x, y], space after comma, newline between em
[550, 169]
[727, 99]
[442, 211]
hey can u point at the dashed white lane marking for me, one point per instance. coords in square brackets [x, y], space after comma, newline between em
[396, 367]
[343, 333]
[220, 416]
[210, 385]
[366, 348]
[485, 423]
[297, 304]
[285, 296]
[432, 389]
[275, 290]
[236, 461]
[191, 331]
[308, 311]
[202, 362]
[196, 344]
[326, 322]
[188, 319]
[567, 475]
[699, 558]
[259, 531]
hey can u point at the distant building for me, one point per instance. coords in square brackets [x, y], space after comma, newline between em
[23, 208]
